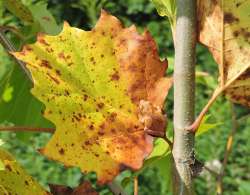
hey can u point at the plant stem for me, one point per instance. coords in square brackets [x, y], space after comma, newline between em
[10, 48]
[135, 185]
[31, 129]
[227, 151]
[184, 96]
[193, 128]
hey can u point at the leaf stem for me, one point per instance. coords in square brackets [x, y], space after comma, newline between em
[135, 185]
[30, 129]
[227, 152]
[193, 128]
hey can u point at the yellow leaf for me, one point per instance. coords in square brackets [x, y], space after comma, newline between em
[14, 180]
[92, 83]
[225, 29]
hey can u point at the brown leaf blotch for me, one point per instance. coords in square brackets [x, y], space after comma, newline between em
[230, 18]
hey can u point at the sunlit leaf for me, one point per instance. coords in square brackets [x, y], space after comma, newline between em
[205, 126]
[224, 29]
[166, 8]
[160, 148]
[101, 89]
[14, 180]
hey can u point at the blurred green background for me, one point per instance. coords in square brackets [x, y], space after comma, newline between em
[18, 107]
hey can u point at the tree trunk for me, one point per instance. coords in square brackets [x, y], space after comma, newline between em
[184, 96]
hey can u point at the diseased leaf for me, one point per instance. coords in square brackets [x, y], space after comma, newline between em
[17, 8]
[93, 84]
[14, 180]
[225, 29]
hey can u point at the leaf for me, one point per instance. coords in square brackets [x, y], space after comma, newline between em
[23, 109]
[161, 148]
[17, 8]
[35, 15]
[224, 29]
[164, 167]
[44, 19]
[166, 8]
[14, 180]
[204, 126]
[93, 83]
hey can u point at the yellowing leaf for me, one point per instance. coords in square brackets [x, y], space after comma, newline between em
[225, 29]
[92, 83]
[14, 180]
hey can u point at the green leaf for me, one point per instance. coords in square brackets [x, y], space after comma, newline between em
[17, 8]
[23, 109]
[164, 166]
[166, 8]
[204, 126]
[44, 19]
[161, 148]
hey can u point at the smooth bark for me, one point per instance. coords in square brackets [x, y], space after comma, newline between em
[184, 96]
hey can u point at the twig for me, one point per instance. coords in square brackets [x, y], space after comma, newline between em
[193, 128]
[12, 29]
[211, 171]
[31, 129]
[10, 48]
[227, 151]
[135, 185]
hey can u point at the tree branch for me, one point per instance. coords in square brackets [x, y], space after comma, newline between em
[184, 96]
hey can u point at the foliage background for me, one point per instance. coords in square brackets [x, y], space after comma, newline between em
[18, 107]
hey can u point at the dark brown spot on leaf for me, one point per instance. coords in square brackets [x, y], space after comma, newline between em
[230, 18]
[61, 151]
[115, 76]
[45, 63]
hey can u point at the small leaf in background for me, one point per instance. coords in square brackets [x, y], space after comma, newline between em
[225, 31]
[44, 19]
[14, 180]
[160, 148]
[35, 15]
[204, 126]
[17, 8]
[23, 109]
[166, 8]
[7, 94]
[95, 85]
